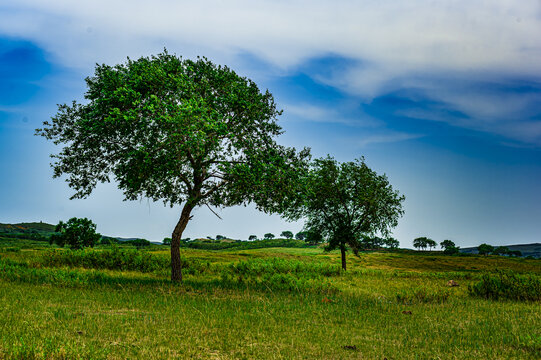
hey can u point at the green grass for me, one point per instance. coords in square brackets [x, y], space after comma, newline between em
[283, 303]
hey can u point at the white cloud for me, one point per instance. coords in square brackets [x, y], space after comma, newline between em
[321, 114]
[394, 43]
[388, 137]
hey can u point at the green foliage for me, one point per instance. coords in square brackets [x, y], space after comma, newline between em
[280, 274]
[391, 243]
[507, 285]
[252, 237]
[180, 131]
[424, 242]
[114, 259]
[301, 235]
[268, 236]
[449, 247]
[517, 253]
[501, 250]
[287, 234]
[485, 249]
[138, 243]
[107, 240]
[243, 245]
[166, 241]
[342, 201]
[77, 233]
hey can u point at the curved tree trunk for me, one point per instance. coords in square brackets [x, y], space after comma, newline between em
[343, 251]
[176, 266]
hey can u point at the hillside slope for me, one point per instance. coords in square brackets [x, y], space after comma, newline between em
[27, 228]
[526, 249]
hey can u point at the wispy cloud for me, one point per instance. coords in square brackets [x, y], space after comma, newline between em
[389, 137]
[310, 112]
[392, 46]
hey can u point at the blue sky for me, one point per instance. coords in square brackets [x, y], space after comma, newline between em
[445, 98]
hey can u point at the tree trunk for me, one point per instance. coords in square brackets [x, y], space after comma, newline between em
[176, 266]
[343, 251]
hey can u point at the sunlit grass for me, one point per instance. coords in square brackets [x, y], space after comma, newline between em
[387, 305]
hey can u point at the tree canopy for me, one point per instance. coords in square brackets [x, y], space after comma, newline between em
[181, 131]
[76, 232]
[343, 201]
[423, 242]
[485, 249]
[287, 234]
[449, 247]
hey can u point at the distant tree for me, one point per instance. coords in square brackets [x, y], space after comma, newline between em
[431, 243]
[106, 240]
[210, 238]
[287, 234]
[301, 235]
[449, 247]
[139, 243]
[420, 242]
[186, 132]
[342, 201]
[252, 237]
[220, 237]
[447, 244]
[501, 250]
[391, 243]
[76, 232]
[517, 253]
[268, 236]
[313, 237]
[485, 249]
[166, 241]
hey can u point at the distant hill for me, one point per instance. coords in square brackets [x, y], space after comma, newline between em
[27, 228]
[526, 249]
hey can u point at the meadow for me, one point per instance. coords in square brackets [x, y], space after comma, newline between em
[271, 303]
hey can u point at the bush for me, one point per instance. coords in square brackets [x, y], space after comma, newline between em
[113, 259]
[507, 285]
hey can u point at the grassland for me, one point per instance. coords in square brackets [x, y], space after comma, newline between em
[279, 303]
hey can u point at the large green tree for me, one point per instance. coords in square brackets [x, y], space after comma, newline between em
[187, 132]
[76, 232]
[344, 201]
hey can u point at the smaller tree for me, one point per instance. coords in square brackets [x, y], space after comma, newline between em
[485, 249]
[313, 237]
[517, 253]
[139, 243]
[220, 237]
[252, 237]
[166, 241]
[287, 234]
[76, 232]
[269, 236]
[301, 235]
[420, 242]
[449, 247]
[501, 250]
[342, 201]
[431, 243]
[391, 243]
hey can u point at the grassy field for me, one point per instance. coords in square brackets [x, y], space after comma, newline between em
[279, 303]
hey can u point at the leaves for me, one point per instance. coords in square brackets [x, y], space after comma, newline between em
[343, 201]
[178, 131]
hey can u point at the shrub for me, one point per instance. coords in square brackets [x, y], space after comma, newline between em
[113, 259]
[507, 285]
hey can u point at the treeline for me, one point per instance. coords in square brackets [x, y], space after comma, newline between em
[208, 244]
